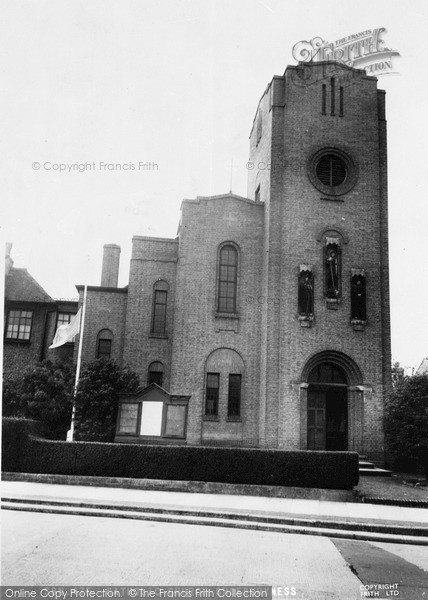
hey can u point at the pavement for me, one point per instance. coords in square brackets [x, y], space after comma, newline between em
[311, 516]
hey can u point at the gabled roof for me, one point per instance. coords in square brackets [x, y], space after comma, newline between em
[423, 367]
[20, 286]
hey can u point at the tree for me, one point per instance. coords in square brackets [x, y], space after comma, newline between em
[43, 392]
[397, 373]
[97, 399]
[406, 420]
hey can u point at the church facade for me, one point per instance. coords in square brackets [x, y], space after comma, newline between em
[265, 322]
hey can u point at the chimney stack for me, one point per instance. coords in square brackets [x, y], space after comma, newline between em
[8, 258]
[110, 270]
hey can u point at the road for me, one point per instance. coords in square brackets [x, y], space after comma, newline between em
[50, 549]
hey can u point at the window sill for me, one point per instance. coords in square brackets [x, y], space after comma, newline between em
[358, 324]
[234, 420]
[332, 303]
[223, 315]
[210, 418]
[159, 336]
[12, 341]
[306, 320]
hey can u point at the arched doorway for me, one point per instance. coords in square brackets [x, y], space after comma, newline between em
[332, 385]
[327, 408]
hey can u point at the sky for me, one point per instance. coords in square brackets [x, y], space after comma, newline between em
[174, 85]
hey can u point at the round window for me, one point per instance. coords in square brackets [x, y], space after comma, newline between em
[332, 171]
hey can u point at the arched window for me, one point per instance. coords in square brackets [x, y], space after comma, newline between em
[227, 279]
[104, 343]
[160, 298]
[155, 374]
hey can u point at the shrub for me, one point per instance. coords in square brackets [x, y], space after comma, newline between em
[43, 393]
[406, 421]
[97, 399]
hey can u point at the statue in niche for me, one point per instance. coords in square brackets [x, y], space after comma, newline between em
[332, 271]
[358, 297]
[306, 293]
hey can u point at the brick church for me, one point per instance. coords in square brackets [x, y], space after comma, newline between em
[265, 322]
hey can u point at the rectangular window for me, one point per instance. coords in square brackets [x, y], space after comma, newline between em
[104, 348]
[234, 396]
[324, 99]
[159, 312]
[341, 101]
[63, 319]
[19, 325]
[212, 392]
[257, 195]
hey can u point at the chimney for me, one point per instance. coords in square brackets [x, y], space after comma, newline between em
[8, 259]
[110, 270]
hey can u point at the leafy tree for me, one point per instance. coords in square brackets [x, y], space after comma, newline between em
[406, 420]
[397, 373]
[97, 399]
[43, 392]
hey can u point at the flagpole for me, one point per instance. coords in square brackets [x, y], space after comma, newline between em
[70, 432]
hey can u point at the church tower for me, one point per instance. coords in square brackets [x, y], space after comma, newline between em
[318, 162]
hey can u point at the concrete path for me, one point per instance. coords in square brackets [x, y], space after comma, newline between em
[333, 519]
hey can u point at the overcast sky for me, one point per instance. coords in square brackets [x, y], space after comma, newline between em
[177, 83]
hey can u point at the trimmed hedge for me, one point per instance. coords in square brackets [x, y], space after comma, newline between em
[338, 470]
[15, 441]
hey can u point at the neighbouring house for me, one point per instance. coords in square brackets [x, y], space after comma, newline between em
[266, 321]
[31, 318]
[423, 368]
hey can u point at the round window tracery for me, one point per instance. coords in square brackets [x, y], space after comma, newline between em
[332, 171]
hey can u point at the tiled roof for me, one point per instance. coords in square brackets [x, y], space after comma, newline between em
[21, 286]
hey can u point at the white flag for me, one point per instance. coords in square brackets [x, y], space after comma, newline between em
[66, 333]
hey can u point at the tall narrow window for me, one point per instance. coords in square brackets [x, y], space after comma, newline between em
[160, 297]
[332, 94]
[259, 127]
[341, 101]
[257, 194]
[358, 296]
[211, 395]
[19, 325]
[324, 99]
[234, 396]
[155, 374]
[104, 343]
[227, 279]
[332, 270]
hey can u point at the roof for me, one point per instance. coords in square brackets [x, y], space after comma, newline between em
[423, 367]
[20, 286]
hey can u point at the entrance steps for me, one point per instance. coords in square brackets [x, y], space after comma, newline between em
[368, 468]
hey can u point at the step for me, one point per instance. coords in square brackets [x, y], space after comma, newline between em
[374, 471]
[365, 464]
[357, 531]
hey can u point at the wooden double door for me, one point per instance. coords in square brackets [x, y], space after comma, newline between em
[327, 418]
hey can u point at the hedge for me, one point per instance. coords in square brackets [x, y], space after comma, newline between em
[15, 441]
[252, 466]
